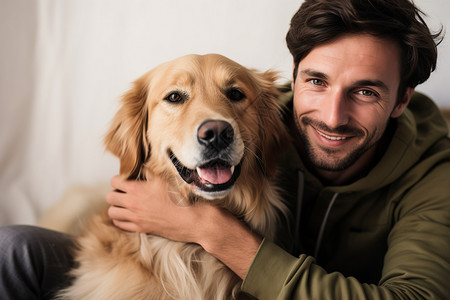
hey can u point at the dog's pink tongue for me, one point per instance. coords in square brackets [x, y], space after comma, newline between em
[215, 175]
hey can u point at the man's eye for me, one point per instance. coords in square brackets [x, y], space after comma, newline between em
[366, 93]
[317, 82]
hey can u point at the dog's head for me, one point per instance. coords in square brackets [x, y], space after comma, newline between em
[203, 123]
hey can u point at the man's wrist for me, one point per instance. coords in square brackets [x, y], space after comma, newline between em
[229, 240]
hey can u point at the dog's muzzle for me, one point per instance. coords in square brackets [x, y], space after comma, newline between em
[217, 173]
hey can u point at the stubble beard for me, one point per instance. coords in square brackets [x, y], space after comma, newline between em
[324, 158]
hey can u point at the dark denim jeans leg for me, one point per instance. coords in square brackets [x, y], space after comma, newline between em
[33, 262]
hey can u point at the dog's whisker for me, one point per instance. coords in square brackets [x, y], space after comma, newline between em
[176, 197]
[257, 158]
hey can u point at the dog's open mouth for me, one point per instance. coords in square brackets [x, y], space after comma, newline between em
[214, 176]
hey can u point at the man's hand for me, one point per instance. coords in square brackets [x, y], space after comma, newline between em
[146, 206]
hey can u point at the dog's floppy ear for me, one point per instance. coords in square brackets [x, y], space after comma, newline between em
[273, 132]
[126, 137]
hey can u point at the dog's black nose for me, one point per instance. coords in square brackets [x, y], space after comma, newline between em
[215, 133]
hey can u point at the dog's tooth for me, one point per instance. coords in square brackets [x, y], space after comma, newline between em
[199, 172]
[232, 170]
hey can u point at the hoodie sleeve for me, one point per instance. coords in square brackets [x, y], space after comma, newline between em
[416, 265]
[275, 274]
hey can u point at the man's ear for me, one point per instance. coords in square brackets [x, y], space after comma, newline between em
[403, 103]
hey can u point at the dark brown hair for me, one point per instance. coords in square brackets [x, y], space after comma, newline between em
[320, 21]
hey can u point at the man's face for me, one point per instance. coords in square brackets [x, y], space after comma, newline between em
[344, 94]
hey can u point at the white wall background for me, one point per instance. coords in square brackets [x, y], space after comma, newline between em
[65, 63]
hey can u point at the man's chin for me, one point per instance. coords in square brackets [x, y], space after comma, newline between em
[331, 165]
[334, 161]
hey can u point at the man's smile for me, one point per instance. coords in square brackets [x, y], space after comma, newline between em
[332, 138]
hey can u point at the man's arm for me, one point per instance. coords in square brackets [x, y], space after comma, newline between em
[417, 263]
[229, 240]
[147, 207]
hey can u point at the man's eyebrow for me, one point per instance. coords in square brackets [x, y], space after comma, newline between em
[375, 83]
[313, 73]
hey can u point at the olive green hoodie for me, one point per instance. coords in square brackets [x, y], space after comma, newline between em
[384, 236]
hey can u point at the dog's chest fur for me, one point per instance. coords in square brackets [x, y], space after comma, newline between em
[114, 264]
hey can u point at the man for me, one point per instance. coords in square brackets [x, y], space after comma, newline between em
[374, 220]
[367, 176]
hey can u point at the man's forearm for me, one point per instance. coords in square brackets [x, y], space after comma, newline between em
[230, 241]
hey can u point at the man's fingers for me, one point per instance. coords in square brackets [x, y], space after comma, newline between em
[127, 226]
[119, 213]
[119, 184]
[115, 198]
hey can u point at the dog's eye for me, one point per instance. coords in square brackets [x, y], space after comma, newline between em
[174, 98]
[234, 94]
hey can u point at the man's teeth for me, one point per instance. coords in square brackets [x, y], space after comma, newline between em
[333, 138]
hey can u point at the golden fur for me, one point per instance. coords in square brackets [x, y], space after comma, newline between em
[159, 120]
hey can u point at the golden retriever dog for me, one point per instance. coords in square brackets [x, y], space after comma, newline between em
[212, 129]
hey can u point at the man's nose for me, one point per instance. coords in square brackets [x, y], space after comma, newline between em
[336, 110]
